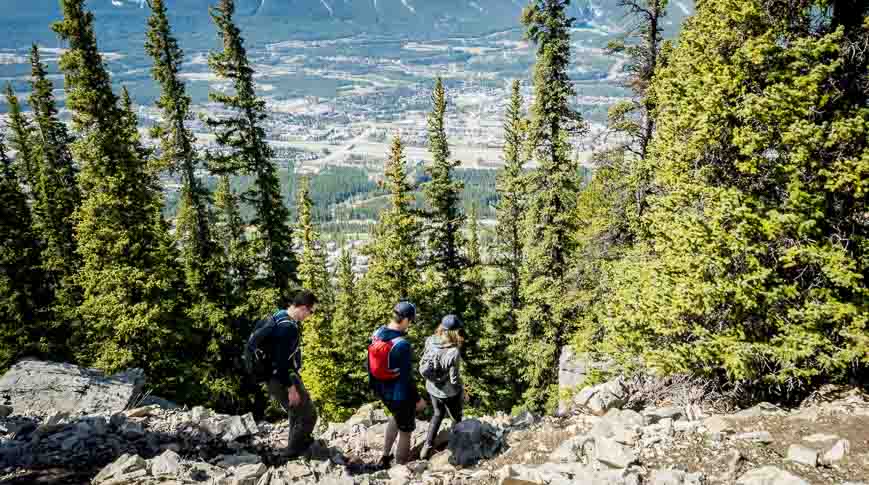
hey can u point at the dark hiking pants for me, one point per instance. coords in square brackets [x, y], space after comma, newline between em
[302, 417]
[452, 405]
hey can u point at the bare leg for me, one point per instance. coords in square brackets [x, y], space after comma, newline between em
[389, 436]
[402, 453]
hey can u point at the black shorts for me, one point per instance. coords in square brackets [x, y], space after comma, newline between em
[404, 413]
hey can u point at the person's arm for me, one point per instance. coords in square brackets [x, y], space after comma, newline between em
[282, 363]
[406, 374]
[454, 369]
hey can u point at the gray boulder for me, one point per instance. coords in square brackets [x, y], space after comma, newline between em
[603, 397]
[126, 467]
[573, 368]
[613, 454]
[770, 475]
[836, 453]
[755, 436]
[239, 427]
[169, 463]
[39, 388]
[667, 477]
[248, 474]
[802, 455]
[572, 449]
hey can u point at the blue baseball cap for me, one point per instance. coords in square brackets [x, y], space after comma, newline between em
[451, 322]
[405, 309]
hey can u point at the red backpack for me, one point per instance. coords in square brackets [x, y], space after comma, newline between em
[378, 358]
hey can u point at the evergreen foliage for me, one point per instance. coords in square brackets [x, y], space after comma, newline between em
[548, 311]
[21, 140]
[247, 152]
[445, 219]
[57, 198]
[349, 337]
[210, 307]
[502, 366]
[474, 287]
[128, 279]
[511, 206]
[178, 155]
[754, 268]
[395, 249]
[22, 296]
[320, 371]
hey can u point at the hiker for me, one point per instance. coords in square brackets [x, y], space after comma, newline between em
[392, 380]
[439, 366]
[274, 350]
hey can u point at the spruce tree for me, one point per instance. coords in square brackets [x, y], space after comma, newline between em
[230, 237]
[57, 198]
[751, 270]
[21, 140]
[243, 136]
[474, 287]
[511, 206]
[320, 371]
[23, 330]
[178, 154]
[445, 220]
[548, 312]
[349, 337]
[128, 281]
[393, 272]
[499, 365]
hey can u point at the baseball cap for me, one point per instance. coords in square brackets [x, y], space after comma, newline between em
[405, 309]
[451, 322]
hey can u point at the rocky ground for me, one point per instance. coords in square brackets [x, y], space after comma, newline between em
[607, 435]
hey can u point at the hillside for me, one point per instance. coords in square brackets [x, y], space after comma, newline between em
[631, 431]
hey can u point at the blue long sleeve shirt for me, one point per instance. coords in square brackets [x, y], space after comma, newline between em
[401, 358]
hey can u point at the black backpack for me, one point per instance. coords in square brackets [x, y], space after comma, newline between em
[431, 367]
[258, 361]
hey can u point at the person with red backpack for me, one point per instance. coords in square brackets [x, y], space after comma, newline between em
[392, 380]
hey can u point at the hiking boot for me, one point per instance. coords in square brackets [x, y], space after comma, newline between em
[384, 462]
[425, 453]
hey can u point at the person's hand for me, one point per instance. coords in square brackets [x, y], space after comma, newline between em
[293, 396]
[420, 405]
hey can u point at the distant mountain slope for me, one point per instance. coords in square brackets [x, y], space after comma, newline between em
[117, 18]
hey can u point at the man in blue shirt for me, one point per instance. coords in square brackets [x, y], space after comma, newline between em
[399, 394]
[282, 341]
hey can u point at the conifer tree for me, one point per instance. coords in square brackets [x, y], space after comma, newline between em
[749, 271]
[511, 206]
[177, 153]
[244, 137]
[129, 283]
[393, 272]
[547, 313]
[21, 291]
[21, 140]
[500, 365]
[320, 371]
[474, 287]
[349, 337]
[445, 220]
[57, 198]
[230, 237]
